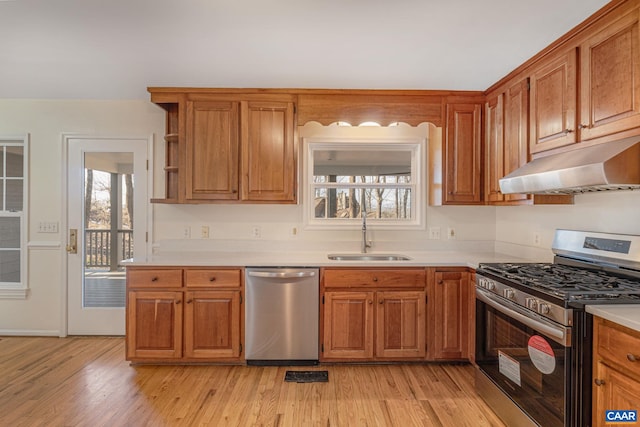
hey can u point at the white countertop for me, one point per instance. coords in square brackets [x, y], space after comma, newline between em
[625, 315]
[277, 258]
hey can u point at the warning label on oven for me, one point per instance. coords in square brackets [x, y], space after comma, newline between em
[509, 367]
[541, 354]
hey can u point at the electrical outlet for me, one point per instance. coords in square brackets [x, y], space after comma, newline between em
[451, 233]
[47, 227]
[536, 238]
[293, 232]
[204, 232]
[256, 232]
[186, 232]
[434, 233]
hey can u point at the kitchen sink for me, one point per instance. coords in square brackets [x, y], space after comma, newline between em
[368, 257]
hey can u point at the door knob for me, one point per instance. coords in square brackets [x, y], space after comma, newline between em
[72, 247]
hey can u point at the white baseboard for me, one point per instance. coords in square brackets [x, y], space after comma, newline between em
[30, 333]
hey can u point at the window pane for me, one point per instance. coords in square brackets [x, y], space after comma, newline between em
[2, 204]
[15, 162]
[10, 232]
[14, 195]
[347, 202]
[2, 161]
[10, 266]
[361, 163]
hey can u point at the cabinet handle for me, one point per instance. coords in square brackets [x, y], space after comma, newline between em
[566, 131]
[375, 279]
[178, 302]
[440, 282]
[370, 302]
[154, 279]
[381, 301]
[598, 382]
[632, 357]
[212, 279]
[189, 301]
[581, 126]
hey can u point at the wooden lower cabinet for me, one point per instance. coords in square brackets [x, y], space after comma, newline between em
[193, 317]
[154, 325]
[451, 313]
[363, 321]
[616, 369]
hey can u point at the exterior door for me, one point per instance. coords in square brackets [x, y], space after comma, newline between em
[106, 223]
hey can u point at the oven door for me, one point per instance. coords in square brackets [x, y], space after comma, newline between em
[526, 356]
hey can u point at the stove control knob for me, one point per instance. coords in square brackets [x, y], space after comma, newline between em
[532, 304]
[509, 293]
[490, 285]
[544, 308]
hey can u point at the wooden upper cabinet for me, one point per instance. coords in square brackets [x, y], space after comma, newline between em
[494, 146]
[268, 151]
[553, 103]
[516, 131]
[610, 78]
[462, 183]
[212, 150]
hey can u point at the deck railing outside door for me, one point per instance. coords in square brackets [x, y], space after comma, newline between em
[99, 248]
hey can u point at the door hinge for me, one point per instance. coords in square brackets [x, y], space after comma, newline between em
[146, 237]
[426, 299]
[295, 109]
[240, 298]
[240, 348]
[323, 299]
[147, 164]
[322, 348]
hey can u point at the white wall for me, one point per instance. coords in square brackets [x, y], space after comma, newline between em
[612, 212]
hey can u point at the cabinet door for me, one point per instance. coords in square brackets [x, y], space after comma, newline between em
[613, 390]
[212, 324]
[462, 174]
[212, 150]
[516, 131]
[400, 324]
[348, 325]
[268, 152]
[610, 79]
[154, 324]
[494, 140]
[450, 299]
[553, 103]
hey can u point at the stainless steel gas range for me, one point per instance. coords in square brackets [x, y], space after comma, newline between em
[533, 335]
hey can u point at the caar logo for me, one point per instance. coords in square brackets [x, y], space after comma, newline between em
[621, 416]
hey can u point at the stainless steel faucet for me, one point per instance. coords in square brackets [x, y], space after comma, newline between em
[365, 244]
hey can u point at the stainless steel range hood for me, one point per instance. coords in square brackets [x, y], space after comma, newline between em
[607, 166]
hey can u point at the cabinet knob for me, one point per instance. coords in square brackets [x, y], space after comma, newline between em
[375, 279]
[212, 279]
[566, 131]
[178, 302]
[598, 382]
[440, 282]
[189, 301]
[632, 357]
[154, 279]
[370, 301]
[381, 301]
[581, 126]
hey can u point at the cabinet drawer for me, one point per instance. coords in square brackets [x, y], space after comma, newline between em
[356, 278]
[212, 278]
[166, 278]
[618, 345]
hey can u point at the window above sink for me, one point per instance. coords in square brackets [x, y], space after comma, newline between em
[344, 177]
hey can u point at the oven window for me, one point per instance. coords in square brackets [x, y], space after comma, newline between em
[528, 366]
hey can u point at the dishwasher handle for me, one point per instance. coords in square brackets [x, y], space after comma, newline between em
[282, 275]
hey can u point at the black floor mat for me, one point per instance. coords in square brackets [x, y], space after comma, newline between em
[307, 376]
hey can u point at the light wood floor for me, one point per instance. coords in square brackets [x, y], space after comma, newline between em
[84, 381]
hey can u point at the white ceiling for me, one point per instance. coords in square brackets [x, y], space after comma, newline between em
[115, 49]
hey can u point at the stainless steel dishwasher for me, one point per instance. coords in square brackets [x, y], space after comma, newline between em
[281, 316]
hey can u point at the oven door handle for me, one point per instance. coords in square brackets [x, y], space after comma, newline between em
[559, 334]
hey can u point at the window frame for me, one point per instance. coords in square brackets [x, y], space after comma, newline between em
[417, 147]
[18, 290]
